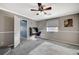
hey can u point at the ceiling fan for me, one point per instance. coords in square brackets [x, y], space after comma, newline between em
[41, 8]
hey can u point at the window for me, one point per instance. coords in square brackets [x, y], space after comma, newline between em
[52, 29]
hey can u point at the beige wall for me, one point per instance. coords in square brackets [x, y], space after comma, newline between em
[75, 23]
[6, 30]
[10, 29]
[65, 34]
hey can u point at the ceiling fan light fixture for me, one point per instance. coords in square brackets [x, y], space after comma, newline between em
[37, 13]
[42, 13]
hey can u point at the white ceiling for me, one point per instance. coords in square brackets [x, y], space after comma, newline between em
[58, 9]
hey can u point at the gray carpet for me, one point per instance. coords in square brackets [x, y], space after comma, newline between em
[39, 47]
[48, 48]
[3, 50]
[26, 47]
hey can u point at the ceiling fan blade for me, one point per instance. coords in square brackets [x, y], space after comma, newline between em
[34, 10]
[49, 8]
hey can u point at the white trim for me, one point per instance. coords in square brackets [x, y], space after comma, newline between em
[7, 32]
[69, 31]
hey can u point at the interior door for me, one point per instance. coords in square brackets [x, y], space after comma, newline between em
[23, 33]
